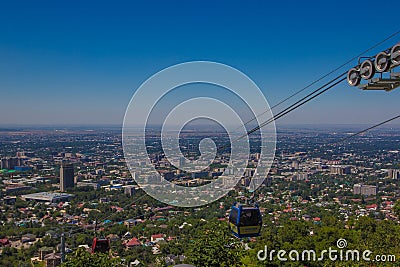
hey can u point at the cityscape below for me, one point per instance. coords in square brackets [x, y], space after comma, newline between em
[74, 183]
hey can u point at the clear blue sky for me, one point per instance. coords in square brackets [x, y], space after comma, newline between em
[79, 62]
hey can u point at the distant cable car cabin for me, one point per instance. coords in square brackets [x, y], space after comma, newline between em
[101, 245]
[245, 221]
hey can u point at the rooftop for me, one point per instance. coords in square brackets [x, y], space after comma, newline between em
[48, 196]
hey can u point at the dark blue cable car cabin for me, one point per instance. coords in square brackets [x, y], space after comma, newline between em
[245, 221]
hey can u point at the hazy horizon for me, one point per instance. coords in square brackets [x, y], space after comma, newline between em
[4, 126]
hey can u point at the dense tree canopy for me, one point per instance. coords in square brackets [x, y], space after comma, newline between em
[83, 258]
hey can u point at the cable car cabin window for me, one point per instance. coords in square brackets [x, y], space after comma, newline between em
[233, 216]
[101, 246]
[249, 218]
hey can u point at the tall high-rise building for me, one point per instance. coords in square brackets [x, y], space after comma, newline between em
[339, 169]
[10, 163]
[66, 176]
[295, 165]
[394, 174]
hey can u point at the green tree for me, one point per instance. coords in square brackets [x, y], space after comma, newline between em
[83, 258]
[396, 208]
[210, 248]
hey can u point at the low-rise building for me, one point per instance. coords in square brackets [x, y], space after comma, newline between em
[365, 190]
[47, 197]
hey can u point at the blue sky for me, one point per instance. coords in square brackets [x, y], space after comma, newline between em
[79, 62]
